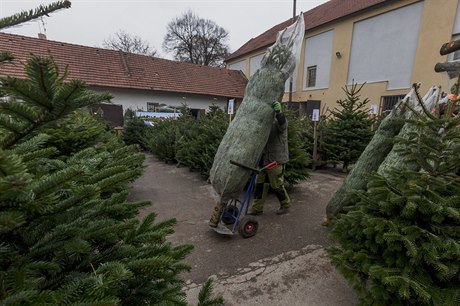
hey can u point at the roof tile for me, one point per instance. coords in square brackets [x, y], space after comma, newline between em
[116, 69]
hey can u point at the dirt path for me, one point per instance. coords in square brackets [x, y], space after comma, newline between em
[284, 262]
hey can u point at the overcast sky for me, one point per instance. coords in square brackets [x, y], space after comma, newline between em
[89, 22]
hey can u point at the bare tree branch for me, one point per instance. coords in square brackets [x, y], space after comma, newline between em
[128, 43]
[196, 40]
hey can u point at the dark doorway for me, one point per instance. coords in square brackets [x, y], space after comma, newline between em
[111, 113]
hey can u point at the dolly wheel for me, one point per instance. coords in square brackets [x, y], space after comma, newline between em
[248, 226]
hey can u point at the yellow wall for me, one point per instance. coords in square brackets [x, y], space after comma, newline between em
[436, 26]
[436, 29]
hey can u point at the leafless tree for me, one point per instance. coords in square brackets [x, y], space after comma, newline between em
[128, 43]
[196, 40]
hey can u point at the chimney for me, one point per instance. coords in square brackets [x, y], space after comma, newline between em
[41, 36]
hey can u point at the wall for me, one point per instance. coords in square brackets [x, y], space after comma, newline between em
[241, 65]
[137, 99]
[384, 47]
[318, 52]
[430, 23]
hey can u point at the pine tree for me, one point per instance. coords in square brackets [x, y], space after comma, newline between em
[296, 168]
[164, 137]
[198, 145]
[67, 231]
[399, 243]
[348, 132]
[68, 235]
[135, 131]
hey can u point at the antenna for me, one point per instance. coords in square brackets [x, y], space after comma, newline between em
[43, 24]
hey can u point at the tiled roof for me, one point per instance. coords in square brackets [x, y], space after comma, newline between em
[313, 18]
[110, 68]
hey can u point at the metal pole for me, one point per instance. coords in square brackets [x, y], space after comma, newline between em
[315, 144]
[290, 79]
[293, 10]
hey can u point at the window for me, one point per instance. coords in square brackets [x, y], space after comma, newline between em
[388, 102]
[311, 76]
[152, 106]
[456, 55]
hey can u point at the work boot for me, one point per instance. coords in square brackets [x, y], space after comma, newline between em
[216, 214]
[282, 210]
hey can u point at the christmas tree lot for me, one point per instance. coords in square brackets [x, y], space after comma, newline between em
[68, 233]
[398, 230]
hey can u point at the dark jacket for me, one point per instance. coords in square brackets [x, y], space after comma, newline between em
[277, 144]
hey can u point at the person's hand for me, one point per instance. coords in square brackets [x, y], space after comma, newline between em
[276, 107]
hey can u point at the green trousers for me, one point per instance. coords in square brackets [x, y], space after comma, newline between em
[275, 179]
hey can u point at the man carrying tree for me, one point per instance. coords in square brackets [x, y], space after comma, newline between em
[277, 150]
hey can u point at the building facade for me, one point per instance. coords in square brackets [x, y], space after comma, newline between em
[387, 44]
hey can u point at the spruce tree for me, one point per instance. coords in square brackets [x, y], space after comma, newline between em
[197, 147]
[348, 131]
[68, 235]
[399, 243]
[299, 158]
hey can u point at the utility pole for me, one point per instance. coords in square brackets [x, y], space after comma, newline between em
[293, 10]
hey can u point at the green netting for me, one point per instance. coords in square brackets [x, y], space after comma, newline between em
[248, 133]
[380, 155]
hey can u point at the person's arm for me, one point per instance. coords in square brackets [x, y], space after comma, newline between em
[280, 117]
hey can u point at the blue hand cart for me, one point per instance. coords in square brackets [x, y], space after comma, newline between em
[231, 218]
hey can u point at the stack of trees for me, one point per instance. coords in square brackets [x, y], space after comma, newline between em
[68, 234]
[193, 143]
[399, 238]
[198, 145]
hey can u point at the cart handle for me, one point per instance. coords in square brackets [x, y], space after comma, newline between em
[269, 166]
[244, 166]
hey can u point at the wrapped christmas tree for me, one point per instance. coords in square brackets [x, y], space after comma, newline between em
[248, 133]
[398, 244]
[380, 154]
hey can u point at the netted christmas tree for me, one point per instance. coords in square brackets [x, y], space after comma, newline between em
[348, 131]
[399, 243]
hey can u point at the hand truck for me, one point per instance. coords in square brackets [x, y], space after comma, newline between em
[232, 218]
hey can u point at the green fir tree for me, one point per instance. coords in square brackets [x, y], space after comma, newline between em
[297, 168]
[348, 131]
[135, 131]
[68, 235]
[198, 146]
[399, 244]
